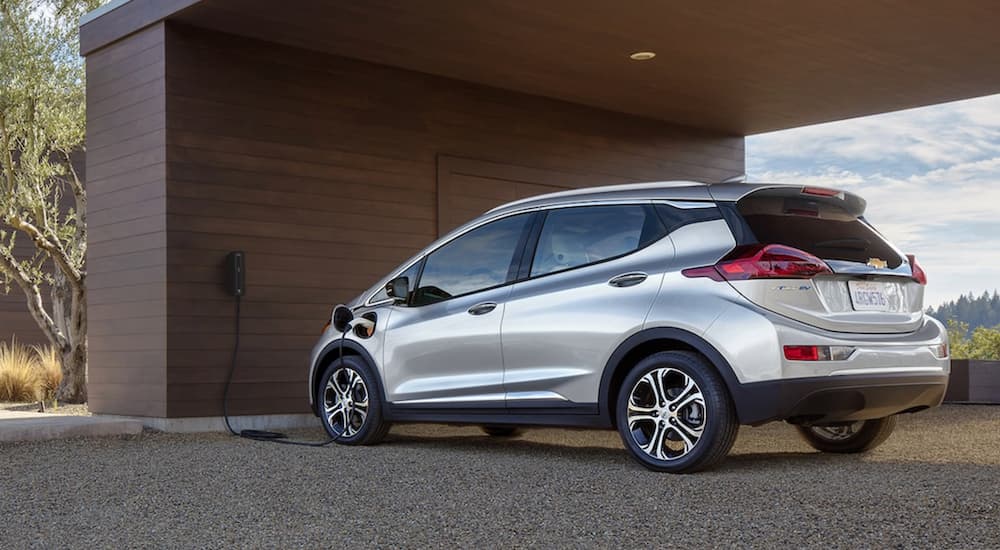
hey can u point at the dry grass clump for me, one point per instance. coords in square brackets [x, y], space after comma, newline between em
[28, 374]
[49, 371]
[19, 380]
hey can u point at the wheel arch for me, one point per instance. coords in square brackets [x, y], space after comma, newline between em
[652, 340]
[332, 352]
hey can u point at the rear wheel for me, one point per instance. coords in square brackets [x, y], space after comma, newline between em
[853, 437]
[674, 413]
[501, 431]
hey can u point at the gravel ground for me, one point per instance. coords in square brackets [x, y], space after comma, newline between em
[935, 483]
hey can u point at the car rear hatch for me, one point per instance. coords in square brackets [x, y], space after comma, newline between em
[808, 253]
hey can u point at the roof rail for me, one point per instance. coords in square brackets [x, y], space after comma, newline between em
[605, 188]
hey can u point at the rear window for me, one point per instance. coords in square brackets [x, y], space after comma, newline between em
[819, 226]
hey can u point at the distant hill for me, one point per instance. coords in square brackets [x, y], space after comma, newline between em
[981, 311]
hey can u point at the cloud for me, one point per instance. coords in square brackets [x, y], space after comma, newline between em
[931, 177]
[898, 143]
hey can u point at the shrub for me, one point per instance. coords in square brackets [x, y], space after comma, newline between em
[19, 373]
[983, 343]
[49, 371]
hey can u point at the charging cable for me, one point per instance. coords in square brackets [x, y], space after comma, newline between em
[277, 437]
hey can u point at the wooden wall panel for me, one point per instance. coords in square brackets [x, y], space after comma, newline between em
[325, 171]
[467, 187]
[126, 169]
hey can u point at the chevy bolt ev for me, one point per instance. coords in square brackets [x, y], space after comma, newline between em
[674, 312]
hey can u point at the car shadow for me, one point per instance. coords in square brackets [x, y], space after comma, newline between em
[736, 462]
[512, 445]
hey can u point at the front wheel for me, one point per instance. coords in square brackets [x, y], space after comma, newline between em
[854, 437]
[674, 413]
[350, 404]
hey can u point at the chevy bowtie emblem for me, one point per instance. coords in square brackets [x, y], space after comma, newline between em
[877, 263]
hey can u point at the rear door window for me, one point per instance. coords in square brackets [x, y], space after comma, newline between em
[573, 237]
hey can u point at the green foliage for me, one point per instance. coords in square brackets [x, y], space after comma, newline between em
[983, 343]
[42, 127]
[981, 311]
[41, 124]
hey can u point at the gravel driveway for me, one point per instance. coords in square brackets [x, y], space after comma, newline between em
[936, 482]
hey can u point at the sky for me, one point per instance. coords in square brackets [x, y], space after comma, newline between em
[931, 177]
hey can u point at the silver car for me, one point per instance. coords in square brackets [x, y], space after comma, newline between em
[674, 312]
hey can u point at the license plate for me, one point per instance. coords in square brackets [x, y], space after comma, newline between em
[869, 296]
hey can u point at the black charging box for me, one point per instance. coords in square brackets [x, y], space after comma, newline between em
[236, 268]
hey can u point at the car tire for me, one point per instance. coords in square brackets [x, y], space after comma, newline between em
[501, 431]
[350, 403]
[674, 413]
[857, 437]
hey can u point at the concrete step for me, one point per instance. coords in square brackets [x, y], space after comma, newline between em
[31, 426]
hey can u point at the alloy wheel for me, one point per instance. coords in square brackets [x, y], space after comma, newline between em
[345, 402]
[666, 413]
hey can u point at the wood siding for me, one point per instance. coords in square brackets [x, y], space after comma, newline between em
[468, 187]
[127, 203]
[325, 171]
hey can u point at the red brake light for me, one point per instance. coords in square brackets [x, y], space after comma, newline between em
[822, 192]
[918, 272]
[773, 261]
[802, 353]
[819, 353]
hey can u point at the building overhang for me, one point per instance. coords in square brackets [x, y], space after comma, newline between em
[735, 67]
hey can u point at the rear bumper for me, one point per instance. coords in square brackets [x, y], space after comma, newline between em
[825, 399]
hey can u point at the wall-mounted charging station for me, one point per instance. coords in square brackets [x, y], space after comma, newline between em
[236, 267]
[236, 285]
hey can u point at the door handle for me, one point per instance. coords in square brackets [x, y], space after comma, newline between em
[628, 279]
[483, 308]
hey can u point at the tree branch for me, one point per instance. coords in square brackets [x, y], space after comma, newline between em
[54, 249]
[33, 295]
[8, 154]
[80, 194]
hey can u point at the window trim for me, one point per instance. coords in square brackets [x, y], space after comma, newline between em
[541, 212]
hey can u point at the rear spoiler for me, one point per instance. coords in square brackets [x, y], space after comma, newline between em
[733, 192]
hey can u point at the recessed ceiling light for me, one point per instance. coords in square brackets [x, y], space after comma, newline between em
[642, 56]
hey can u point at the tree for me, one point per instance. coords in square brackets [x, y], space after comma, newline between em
[983, 344]
[41, 128]
[981, 311]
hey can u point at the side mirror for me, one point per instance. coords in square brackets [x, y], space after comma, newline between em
[398, 289]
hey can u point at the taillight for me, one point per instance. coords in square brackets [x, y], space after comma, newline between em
[918, 272]
[802, 353]
[940, 351]
[773, 261]
[818, 353]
